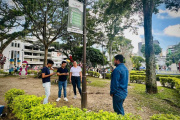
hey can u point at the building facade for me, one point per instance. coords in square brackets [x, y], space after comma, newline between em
[24, 51]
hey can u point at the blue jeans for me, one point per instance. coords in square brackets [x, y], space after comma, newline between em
[64, 85]
[118, 105]
[47, 87]
[76, 82]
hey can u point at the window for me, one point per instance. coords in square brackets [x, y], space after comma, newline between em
[12, 44]
[18, 45]
[15, 44]
[27, 53]
[28, 47]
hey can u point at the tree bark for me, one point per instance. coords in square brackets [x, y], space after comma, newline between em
[151, 85]
[45, 55]
[110, 53]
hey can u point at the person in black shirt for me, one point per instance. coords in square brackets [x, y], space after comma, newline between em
[46, 80]
[62, 72]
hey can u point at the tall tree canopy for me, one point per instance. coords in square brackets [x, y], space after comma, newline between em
[10, 19]
[137, 60]
[47, 19]
[157, 49]
[147, 8]
[94, 56]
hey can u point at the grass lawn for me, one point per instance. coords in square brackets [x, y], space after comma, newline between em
[97, 82]
[167, 101]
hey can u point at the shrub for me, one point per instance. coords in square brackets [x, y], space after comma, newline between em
[11, 94]
[169, 80]
[164, 117]
[172, 81]
[90, 73]
[29, 72]
[22, 105]
[2, 72]
[108, 76]
[137, 78]
[96, 74]
[29, 107]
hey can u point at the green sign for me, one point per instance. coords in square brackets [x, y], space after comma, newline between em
[75, 17]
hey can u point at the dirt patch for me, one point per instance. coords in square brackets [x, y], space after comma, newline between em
[98, 97]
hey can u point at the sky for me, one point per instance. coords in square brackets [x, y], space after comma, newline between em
[166, 29]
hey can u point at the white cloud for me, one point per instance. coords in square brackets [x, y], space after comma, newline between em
[134, 38]
[173, 30]
[166, 14]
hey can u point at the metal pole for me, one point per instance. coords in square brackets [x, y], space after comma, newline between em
[84, 92]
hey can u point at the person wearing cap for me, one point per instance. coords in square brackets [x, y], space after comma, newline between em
[76, 78]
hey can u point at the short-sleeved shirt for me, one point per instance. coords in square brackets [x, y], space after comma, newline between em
[47, 72]
[62, 77]
[76, 71]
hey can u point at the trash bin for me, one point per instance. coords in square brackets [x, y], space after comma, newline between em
[1, 109]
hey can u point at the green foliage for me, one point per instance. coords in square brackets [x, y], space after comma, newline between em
[157, 49]
[108, 76]
[11, 94]
[22, 105]
[166, 101]
[172, 81]
[137, 60]
[137, 78]
[29, 107]
[93, 74]
[94, 56]
[2, 72]
[90, 73]
[165, 117]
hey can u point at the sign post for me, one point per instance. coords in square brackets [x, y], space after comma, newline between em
[84, 91]
[77, 24]
[75, 17]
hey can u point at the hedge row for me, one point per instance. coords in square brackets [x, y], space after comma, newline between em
[29, 107]
[2, 72]
[32, 72]
[93, 74]
[137, 78]
[171, 82]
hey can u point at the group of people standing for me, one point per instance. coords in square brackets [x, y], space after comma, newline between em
[118, 87]
[75, 77]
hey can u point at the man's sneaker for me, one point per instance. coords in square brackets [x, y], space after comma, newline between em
[57, 100]
[74, 97]
[65, 99]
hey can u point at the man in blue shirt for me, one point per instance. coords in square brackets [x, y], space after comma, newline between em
[119, 83]
[62, 72]
[46, 80]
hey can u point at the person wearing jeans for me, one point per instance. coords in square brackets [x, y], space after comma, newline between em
[119, 83]
[46, 80]
[76, 78]
[62, 72]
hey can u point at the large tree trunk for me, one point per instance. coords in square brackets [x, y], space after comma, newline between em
[151, 85]
[45, 55]
[110, 53]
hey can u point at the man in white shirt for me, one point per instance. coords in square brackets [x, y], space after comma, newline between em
[76, 78]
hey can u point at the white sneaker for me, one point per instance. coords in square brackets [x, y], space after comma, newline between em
[65, 99]
[74, 97]
[57, 100]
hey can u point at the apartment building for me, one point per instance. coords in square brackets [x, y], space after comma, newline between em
[25, 51]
